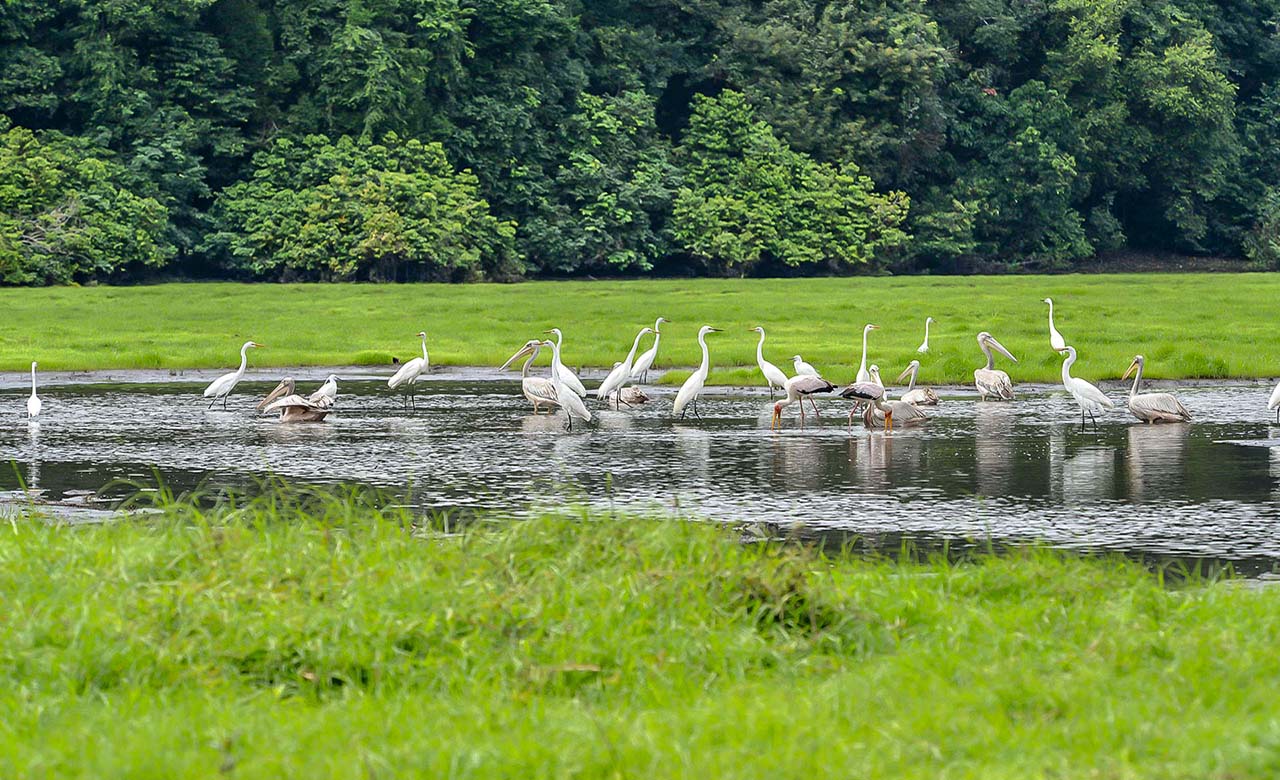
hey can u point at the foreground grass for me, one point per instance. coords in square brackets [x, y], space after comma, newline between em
[1188, 325]
[339, 642]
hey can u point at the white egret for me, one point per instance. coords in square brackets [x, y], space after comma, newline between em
[223, 385]
[989, 380]
[621, 372]
[798, 388]
[33, 403]
[537, 389]
[327, 390]
[803, 368]
[1055, 338]
[1089, 397]
[863, 374]
[569, 378]
[569, 401]
[924, 345]
[919, 396]
[408, 374]
[1152, 407]
[692, 387]
[773, 375]
[640, 370]
[1274, 403]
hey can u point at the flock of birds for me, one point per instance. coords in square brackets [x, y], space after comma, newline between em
[563, 389]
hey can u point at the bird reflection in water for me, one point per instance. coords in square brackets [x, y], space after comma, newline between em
[1156, 460]
[993, 448]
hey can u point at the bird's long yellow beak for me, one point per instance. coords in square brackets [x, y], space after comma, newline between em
[1129, 370]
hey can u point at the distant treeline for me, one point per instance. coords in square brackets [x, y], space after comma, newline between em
[468, 139]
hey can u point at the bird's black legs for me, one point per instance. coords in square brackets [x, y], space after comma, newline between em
[770, 391]
[211, 403]
[224, 402]
[696, 413]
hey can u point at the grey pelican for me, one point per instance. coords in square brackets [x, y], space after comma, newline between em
[223, 385]
[407, 375]
[798, 388]
[989, 380]
[1152, 407]
[296, 408]
[632, 396]
[692, 387]
[887, 410]
[919, 396]
[863, 374]
[33, 401]
[537, 389]
[924, 345]
[640, 371]
[874, 415]
[621, 371]
[1090, 398]
[773, 375]
[569, 400]
[1055, 338]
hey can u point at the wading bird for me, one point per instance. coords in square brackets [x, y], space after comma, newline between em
[863, 374]
[537, 389]
[640, 371]
[408, 374]
[569, 378]
[621, 372]
[773, 375]
[1090, 398]
[1055, 338]
[989, 380]
[802, 367]
[692, 387]
[924, 345]
[223, 385]
[1274, 403]
[296, 408]
[873, 394]
[33, 403]
[799, 388]
[569, 400]
[1152, 407]
[874, 416]
[919, 396]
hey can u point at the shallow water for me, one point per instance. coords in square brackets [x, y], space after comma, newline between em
[1015, 472]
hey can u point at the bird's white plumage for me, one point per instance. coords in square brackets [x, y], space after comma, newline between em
[223, 385]
[327, 390]
[561, 373]
[412, 369]
[645, 361]
[1152, 407]
[919, 396]
[1055, 338]
[802, 367]
[991, 381]
[773, 375]
[569, 400]
[692, 387]
[864, 375]
[621, 372]
[1090, 399]
[1274, 402]
[798, 388]
[924, 345]
[33, 401]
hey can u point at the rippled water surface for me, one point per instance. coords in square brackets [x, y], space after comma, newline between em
[1008, 472]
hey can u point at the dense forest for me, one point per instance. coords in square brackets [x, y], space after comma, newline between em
[495, 139]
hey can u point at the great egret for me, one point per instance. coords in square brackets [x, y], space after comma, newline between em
[1090, 398]
[538, 390]
[863, 374]
[295, 408]
[621, 373]
[569, 378]
[1152, 407]
[640, 370]
[1274, 403]
[989, 380]
[798, 388]
[408, 374]
[924, 345]
[919, 396]
[692, 387]
[223, 385]
[569, 401]
[1055, 338]
[33, 403]
[327, 390]
[773, 375]
[803, 368]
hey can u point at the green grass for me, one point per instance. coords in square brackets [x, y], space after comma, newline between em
[1188, 325]
[337, 641]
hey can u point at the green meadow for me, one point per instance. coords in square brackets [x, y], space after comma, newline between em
[1188, 325]
[328, 638]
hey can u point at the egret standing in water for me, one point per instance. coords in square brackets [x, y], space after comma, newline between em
[990, 380]
[692, 387]
[1089, 397]
[773, 375]
[408, 374]
[223, 385]
[569, 401]
[33, 403]
[1055, 338]
[621, 372]
[798, 388]
[1152, 407]
[863, 374]
[924, 345]
[640, 371]
[569, 378]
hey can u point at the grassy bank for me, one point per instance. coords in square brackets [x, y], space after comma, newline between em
[338, 643]
[1188, 325]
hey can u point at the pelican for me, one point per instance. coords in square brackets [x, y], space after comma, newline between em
[1055, 338]
[773, 375]
[874, 415]
[640, 371]
[633, 396]
[922, 396]
[295, 408]
[621, 372]
[924, 345]
[798, 388]
[863, 374]
[989, 380]
[1274, 403]
[569, 400]
[569, 378]
[692, 387]
[802, 367]
[869, 392]
[1090, 398]
[408, 374]
[223, 385]
[537, 389]
[33, 403]
[1152, 407]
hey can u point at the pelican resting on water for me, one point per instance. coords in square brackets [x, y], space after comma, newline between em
[880, 413]
[1089, 397]
[798, 388]
[538, 390]
[990, 380]
[917, 396]
[296, 408]
[1152, 407]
